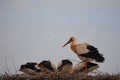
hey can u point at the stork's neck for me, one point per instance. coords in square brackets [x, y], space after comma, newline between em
[73, 46]
[73, 43]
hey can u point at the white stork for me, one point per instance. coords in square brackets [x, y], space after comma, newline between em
[80, 68]
[30, 68]
[47, 67]
[85, 51]
[64, 66]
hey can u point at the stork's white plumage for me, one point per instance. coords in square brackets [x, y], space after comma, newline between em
[85, 52]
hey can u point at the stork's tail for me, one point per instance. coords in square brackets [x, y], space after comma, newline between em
[100, 58]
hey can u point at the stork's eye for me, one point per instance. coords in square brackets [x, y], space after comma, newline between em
[71, 39]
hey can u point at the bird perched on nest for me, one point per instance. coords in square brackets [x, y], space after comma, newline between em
[30, 68]
[85, 51]
[65, 66]
[44, 68]
[47, 67]
[80, 67]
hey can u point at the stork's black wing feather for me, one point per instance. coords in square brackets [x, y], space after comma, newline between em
[92, 48]
[30, 65]
[47, 64]
[93, 54]
[64, 62]
[89, 65]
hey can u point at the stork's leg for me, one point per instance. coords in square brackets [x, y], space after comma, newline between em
[86, 68]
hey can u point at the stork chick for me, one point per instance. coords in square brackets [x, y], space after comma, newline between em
[64, 66]
[47, 68]
[30, 68]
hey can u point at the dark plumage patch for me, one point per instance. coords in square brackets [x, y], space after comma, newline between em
[64, 62]
[89, 65]
[30, 65]
[38, 70]
[93, 54]
[46, 64]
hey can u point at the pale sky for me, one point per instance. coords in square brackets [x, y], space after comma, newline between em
[35, 30]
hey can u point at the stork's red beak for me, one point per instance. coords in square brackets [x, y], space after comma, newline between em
[66, 43]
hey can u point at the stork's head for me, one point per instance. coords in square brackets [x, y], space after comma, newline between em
[72, 39]
[31, 68]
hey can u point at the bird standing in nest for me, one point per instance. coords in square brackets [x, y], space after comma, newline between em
[85, 51]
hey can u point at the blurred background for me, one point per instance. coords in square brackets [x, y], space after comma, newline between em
[35, 30]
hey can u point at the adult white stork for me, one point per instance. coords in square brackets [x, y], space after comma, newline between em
[85, 52]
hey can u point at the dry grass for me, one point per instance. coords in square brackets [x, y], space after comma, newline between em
[103, 76]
